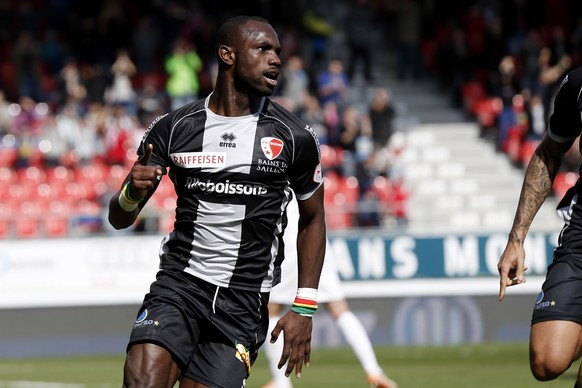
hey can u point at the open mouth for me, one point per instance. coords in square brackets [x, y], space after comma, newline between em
[272, 78]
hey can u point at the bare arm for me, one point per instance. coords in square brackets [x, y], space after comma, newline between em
[311, 239]
[143, 181]
[537, 184]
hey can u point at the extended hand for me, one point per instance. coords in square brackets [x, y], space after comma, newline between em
[297, 341]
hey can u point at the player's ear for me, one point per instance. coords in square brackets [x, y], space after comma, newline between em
[226, 54]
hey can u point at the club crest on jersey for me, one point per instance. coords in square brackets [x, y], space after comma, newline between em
[271, 147]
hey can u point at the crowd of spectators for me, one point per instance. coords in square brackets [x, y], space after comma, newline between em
[80, 81]
[503, 63]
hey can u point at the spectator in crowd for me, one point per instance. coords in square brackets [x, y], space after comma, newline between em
[121, 91]
[151, 101]
[382, 113]
[333, 84]
[312, 113]
[355, 140]
[182, 67]
[294, 83]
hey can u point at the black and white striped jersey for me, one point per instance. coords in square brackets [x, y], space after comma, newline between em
[233, 177]
[565, 124]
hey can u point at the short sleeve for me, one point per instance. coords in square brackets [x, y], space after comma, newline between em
[305, 173]
[565, 122]
[158, 135]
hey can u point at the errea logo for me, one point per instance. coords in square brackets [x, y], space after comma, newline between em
[228, 139]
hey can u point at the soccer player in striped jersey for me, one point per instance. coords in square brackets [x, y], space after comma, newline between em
[556, 324]
[234, 158]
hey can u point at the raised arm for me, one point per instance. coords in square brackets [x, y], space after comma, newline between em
[537, 184]
[138, 186]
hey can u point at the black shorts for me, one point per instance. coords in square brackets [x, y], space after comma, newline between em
[561, 295]
[214, 333]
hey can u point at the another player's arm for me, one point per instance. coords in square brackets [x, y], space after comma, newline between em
[296, 326]
[537, 185]
[138, 186]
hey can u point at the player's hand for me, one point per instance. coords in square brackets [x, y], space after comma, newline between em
[511, 267]
[144, 177]
[297, 341]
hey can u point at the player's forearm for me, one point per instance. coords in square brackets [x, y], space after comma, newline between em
[537, 185]
[118, 217]
[311, 251]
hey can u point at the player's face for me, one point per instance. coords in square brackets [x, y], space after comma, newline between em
[257, 59]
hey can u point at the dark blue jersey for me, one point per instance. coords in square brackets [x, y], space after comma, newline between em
[233, 178]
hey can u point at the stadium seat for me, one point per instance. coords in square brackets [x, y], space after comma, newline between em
[8, 156]
[527, 150]
[487, 110]
[59, 174]
[55, 225]
[338, 214]
[26, 224]
[5, 227]
[563, 182]
[471, 93]
[350, 187]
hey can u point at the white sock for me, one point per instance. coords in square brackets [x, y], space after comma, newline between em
[357, 337]
[273, 353]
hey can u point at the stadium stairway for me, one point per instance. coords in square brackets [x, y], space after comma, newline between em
[456, 179]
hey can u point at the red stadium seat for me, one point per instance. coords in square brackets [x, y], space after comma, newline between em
[26, 224]
[338, 214]
[350, 187]
[55, 225]
[487, 110]
[527, 150]
[471, 93]
[5, 227]
[8, 156]
[563, 182]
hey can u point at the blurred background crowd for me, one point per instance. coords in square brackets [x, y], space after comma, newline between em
[80, 82]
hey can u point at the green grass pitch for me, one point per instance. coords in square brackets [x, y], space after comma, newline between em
[500, 365]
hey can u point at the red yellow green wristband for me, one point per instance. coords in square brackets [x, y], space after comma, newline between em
[305, 302]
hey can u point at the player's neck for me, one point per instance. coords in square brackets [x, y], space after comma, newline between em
[227, 101]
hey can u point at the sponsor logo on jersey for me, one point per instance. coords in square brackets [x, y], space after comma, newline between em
[271, 147]
[199, 159]
[226, 187]
[541, 303]
[228, 139]
[317, 175]
[272, 166]
[142, 320]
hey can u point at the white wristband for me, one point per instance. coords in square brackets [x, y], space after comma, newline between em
[125, 204]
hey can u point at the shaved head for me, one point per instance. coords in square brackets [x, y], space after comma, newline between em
[230, 31]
